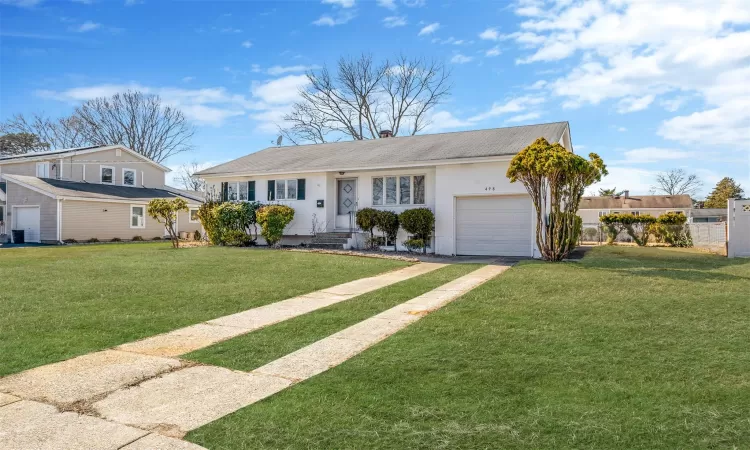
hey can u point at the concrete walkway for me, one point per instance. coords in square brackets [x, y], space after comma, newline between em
[113, 407]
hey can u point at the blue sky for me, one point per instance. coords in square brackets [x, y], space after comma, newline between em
[648, 85]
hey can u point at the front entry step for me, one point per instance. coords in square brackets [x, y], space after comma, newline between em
[334, 240]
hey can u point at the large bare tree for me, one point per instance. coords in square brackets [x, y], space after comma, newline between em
[363, 98]
[187, 179]
[136, 120]
[676, 182]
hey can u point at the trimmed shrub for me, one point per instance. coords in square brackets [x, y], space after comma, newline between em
[157, 238]
[197, 236]
[420, 222]
[388, 223]
[92, 240]
[226, 222]
[209, 221]
[137, 239]
[638, 227]
[115, 240]
[670, 229]
[273, 219]
[70, 241]
[413, 245]
[366, 219]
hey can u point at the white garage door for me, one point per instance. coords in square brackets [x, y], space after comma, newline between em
[494, 226]
[27, 219]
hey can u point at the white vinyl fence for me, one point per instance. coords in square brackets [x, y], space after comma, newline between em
[709, 234]
[738, 212]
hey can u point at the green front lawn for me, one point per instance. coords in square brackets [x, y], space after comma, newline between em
[61, 302]
[255, 349]
[629, 348]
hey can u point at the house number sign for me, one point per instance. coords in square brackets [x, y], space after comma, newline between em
[489, 188]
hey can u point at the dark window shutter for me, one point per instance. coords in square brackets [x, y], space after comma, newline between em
[271, 190]
[301, 189]
[251, 191]
[224, 191]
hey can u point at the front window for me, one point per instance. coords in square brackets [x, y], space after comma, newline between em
[194, 215]
[107, 175]
[401, 190]
[137, 217]
[286, 189]
[128, 177]
[242, 191]
[232, 189]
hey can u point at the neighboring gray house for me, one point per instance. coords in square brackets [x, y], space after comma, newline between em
[83, 193]
[709, 215]
[591, 208]
[460, 176]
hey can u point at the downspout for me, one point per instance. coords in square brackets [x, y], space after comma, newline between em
[59, 221]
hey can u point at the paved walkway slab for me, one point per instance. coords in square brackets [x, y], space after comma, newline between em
[32, 425]
[186, 340]
[181, 401]
[155, 441]
[85, 377]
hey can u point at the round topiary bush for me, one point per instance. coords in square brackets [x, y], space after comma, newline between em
[366, 218]
[387, 223]
[419, 222]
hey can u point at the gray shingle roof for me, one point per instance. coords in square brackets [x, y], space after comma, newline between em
[390, 152]
[637, 201]
[76, 189]
[710, 212]
[48, 153]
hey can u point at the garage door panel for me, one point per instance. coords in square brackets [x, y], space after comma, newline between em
[28, 220]
[493, 226]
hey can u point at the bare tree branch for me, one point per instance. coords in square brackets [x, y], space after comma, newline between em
[187, 179]
[676, 182]
[365, 97]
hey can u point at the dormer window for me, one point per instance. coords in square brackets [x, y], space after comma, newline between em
[107, 174]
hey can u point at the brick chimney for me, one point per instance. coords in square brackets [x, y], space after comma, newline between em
[386, 133]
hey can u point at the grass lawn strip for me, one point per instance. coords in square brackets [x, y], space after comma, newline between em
[61, 302]
[202, 335]
[628, 348]
[186, 399]
[260, 347]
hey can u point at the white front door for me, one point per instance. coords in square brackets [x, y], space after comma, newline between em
[27, 219]
[494, 226]
[346, 203]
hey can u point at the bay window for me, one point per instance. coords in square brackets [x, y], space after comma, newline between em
[400, 190]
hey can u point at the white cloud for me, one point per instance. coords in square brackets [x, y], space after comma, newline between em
[187, 79]
[444, 120]
[656, 154]
[490, 34]
[514, 105]
[414, 3]
[458, 58]
[87, 26]
[494, 51]
[429, 29]
[633, 104]
[637, 181]
[255, 68]
[636, 52]
[281, 90]
[247, 44]
[21, 3]
[280, 70]
[524, 117]
[133, 2]
[389, 4]
[340, 18]
[340, 3]
[622, 129]
[394, 21]
[209, 106]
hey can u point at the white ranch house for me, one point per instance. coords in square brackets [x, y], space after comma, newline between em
[460, 176]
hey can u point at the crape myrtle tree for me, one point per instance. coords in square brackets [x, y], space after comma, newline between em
[555, 178]
[165, 212]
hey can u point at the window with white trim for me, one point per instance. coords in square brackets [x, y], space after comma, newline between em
[194, 215]
[137, 216]
[398, 190]
[42, 170]
[286, 189]
[107, 175]
[128, 177]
